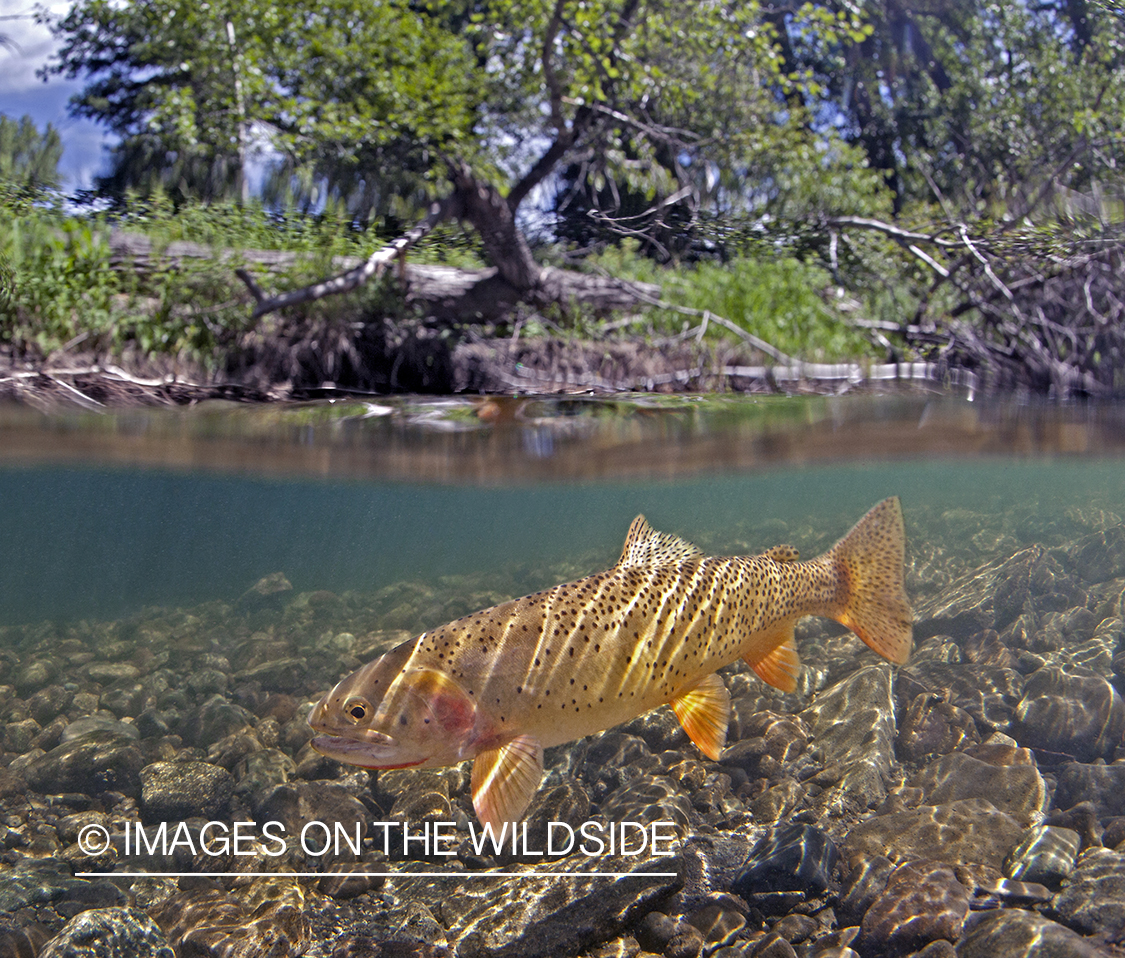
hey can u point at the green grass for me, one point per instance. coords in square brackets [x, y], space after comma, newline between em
[779, 299]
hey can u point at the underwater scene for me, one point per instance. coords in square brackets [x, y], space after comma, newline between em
[218, 735]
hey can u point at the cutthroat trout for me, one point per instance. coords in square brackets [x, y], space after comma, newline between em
[501, 685]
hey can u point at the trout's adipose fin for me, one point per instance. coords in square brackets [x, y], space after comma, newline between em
[505, 780]
[704, 713]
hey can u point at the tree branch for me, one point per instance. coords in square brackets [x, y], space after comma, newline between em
[353, 278]
[892, 231]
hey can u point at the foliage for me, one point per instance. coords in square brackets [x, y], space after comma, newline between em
[59, 284]
[29, 160]
[779, 299]
[977, 103]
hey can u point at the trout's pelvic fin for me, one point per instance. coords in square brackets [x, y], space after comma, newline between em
[505, 780]
[645, 546]
[868, 563]
[704, 713]
[781, 665]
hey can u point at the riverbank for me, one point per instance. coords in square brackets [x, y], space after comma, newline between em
[396, 360]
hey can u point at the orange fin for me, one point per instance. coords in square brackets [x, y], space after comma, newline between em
[704, 713]
[781, 666]
[868, 563]
[783, 554]
[645, 546]
[505, 779]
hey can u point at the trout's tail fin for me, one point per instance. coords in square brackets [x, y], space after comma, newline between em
[871, 599]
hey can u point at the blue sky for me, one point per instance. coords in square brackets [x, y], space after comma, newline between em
[21, 92]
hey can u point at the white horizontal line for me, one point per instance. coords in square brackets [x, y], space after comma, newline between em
[376, 874]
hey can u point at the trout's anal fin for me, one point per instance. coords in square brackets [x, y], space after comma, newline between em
[781, 665]
[704, 713]
[505, 779]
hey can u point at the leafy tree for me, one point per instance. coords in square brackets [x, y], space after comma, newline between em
[344, 90]
[172, 80]
[29, 160]
[975, 103]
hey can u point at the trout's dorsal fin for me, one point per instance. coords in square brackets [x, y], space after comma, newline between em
[781, 665]
[645, 546]
[505, 779]
[704, 713]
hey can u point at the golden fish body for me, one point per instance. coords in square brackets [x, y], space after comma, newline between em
[502, 684]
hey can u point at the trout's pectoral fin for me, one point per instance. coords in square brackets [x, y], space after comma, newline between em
[505, 779]
[781, 665]
[704, 713]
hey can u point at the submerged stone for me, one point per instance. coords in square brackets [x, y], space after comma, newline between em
[923, 901]
[544, 918]
[793, 858]
[1093, 900]
[960, 832]
[171, 791]
[1101, 785]
[1079, 714]
[265, 919]
[1018, 790]
[95, 763]
[933, 726]
[853, 726]
[1046, 855]
[109, 932]
[1015, 933]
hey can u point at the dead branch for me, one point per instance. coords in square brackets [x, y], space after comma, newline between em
[356, 277]
[895, 232]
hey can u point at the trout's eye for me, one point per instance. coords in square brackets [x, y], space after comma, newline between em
[357, 709]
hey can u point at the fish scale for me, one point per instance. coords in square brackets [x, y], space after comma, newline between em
[500, 685]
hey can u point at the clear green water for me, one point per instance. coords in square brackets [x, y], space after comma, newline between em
[84, 534]
[127, 540]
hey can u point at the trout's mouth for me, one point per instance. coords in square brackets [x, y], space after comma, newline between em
[382, 755]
